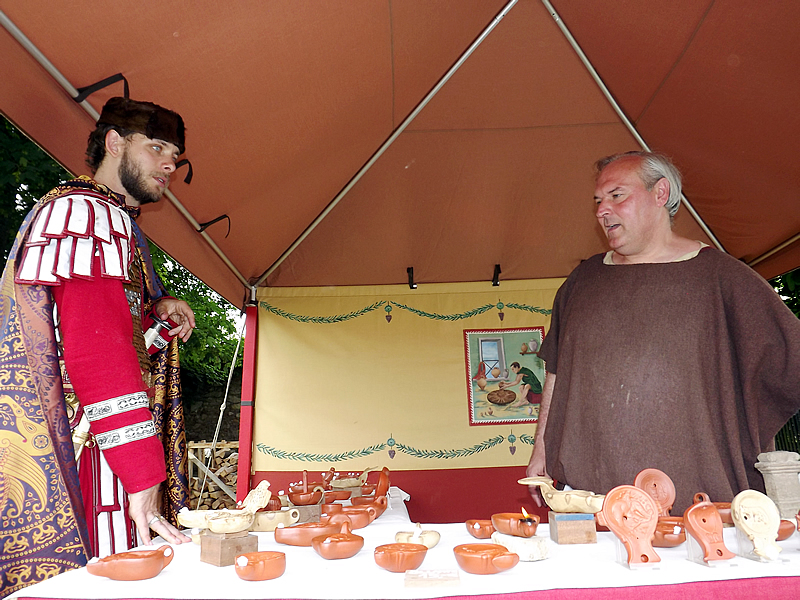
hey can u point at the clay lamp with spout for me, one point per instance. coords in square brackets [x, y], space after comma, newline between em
[482, 529]
[134, 565]
[669, 532]
[305, 486]
[330, 509]
[344, 544]
[484, 559]
[631, 514]
[516, 524]
[260, 566]
[704, 523]
[361, 516]
[401, 557]
[723, 508]
[336, 495]
[379, 504]
[427, 538]
[302, 534]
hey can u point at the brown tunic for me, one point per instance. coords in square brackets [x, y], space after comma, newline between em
[689, 367]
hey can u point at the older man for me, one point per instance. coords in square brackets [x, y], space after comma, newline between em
[78, 285]
[662, 352]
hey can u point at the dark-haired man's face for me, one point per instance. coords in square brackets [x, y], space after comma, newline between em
[145, 168]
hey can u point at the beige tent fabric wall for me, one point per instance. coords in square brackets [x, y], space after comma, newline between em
[332, 394]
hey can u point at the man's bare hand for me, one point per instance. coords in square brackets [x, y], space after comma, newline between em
[143, 510]
[536, 468]
[180, 312]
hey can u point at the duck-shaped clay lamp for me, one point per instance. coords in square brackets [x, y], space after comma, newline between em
[228, 521]
[565, 501]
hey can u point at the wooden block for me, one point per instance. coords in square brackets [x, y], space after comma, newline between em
[220, 549]
[309, 514]
[572, 528]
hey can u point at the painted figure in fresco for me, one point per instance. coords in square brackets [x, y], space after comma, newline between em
[530, 388]
[662, 353]
[77, 287]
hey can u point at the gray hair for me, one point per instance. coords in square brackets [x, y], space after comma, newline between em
[652, 167]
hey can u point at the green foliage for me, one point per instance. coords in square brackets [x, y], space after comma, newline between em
[788, 286]
[208, 354]
[26, 173]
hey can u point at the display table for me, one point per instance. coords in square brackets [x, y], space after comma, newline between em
[573, 571]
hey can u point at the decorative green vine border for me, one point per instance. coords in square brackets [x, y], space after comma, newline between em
[388, 305]
[393, 446]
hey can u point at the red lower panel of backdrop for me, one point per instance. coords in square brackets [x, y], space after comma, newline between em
[442, 495]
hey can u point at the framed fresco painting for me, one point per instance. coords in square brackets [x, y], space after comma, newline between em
[504, 375]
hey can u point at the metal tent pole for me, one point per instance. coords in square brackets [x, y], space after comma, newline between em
[390, 140]
[623, 117]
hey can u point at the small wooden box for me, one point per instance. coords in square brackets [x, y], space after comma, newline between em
[310, 513]
[572, 528]
[221, 549]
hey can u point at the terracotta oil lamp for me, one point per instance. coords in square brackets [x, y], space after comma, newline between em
[260, 566]
[367, 489]
[360, 516]
[659, 486]
[330, 509]
[427, 538]
[724, 508]
[669, 532]
[335, 495]
[305, 498]
[302, 534]
[756, 515]
[516, 524]
[383, 483]
[344, 544]
[704, 523]
[399, 558]
[484, 559]
[379, 504]
[785, 530]
[483, 528]
[134, 565]
[632, 515]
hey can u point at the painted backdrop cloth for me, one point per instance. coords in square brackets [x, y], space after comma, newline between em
[688, 367]
[42, 525]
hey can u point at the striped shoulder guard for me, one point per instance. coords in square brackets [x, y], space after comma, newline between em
[68, 232]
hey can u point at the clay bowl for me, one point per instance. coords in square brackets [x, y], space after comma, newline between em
[480, 528]
[305, 498]
[338, 545]
[665, 536]
[312, 486]
[785, 530]
[515, 524]
[484, 559]
[133, 566]
[367, 489]
[360, 500]
[334, 495]
[231, 522]
[379, 504]
[399, 558]
[260, 566]
[360, 516]
[302, 534]
[331, 509]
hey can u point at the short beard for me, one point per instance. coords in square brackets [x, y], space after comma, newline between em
[130, 175]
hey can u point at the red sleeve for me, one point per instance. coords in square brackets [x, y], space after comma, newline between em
[97, 332]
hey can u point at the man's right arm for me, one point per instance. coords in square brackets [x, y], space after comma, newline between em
[537, 465]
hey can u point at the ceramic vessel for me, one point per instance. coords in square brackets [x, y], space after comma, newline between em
[399, 558]
[360, 516]
[268, 521]
[383, 483]
[260, 566]
[724, 508]
[344, 544]
[427, 538]
[379, 503]
[756, 515]
[703, 522]
[785, 530]
[134, 565]
[273, 504]
[302, 534]
[305, 498]
[231, 523]
[367, 489]
[483, 528]
[669, 532]
[334, 495]
[631, 514]
[516, 524]
[565, 501]
[484, 559]
[659, 486]
[330, 509]
[361, 500]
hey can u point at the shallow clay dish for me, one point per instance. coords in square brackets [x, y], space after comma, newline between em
[334, 495]
[515, 524]
[399, 558]
[133, 566]
[480, 528]
[302, 534]
[260, 566]
[665, 535]
[484, 559]
[344, 544]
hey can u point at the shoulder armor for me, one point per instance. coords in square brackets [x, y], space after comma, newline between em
[68, 232]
